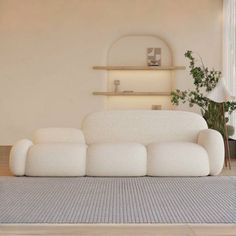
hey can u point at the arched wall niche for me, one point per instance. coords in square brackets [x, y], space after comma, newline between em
[131, 50]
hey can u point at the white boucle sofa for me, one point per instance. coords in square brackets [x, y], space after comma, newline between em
[123, 143]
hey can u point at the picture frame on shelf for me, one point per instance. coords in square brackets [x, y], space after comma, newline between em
[154, 56]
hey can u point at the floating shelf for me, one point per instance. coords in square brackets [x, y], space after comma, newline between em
[139, 67]
[132, 93]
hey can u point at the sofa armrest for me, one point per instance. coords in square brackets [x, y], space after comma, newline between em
[18, 156]
[213, 142]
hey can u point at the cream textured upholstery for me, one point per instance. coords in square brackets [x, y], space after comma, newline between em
[177, 158]
[59, 135]
[56, 159]
[53, 152]
[123, 143]
[142, 126]
[18, 156]
[117, 159]
[212, 141]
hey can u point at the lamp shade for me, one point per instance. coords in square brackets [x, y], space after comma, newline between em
[220, 93]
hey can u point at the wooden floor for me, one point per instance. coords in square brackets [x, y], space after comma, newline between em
[4, 160]
[116, 229]
[124, 230]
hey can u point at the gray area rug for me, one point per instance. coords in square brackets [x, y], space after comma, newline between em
[118, 200]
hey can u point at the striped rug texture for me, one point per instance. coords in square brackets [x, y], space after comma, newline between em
[118, 200]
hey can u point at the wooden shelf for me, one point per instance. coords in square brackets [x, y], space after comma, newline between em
[139, 67]
[132, 93]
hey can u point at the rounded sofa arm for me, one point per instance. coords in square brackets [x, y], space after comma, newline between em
[213, 142]
[18, 156]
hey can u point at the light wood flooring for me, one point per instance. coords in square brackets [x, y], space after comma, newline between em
[114, 230]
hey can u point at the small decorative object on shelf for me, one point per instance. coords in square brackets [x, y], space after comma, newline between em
[127, 91]
[153, 56]
[156, 107]
[116, 83]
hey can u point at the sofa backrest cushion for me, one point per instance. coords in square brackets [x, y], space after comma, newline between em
[58, 135]
[142, 126]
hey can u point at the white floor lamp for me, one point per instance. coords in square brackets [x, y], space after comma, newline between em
[221, 94]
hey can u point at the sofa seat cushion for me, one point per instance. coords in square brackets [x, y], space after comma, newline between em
[177, 159]
[56, 159]
[116, 159]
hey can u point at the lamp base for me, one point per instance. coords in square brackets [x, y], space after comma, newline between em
[227, 154]
[226, 140]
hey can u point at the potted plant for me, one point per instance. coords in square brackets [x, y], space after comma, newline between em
[204, 81]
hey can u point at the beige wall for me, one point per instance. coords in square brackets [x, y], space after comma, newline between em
[47, 49]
